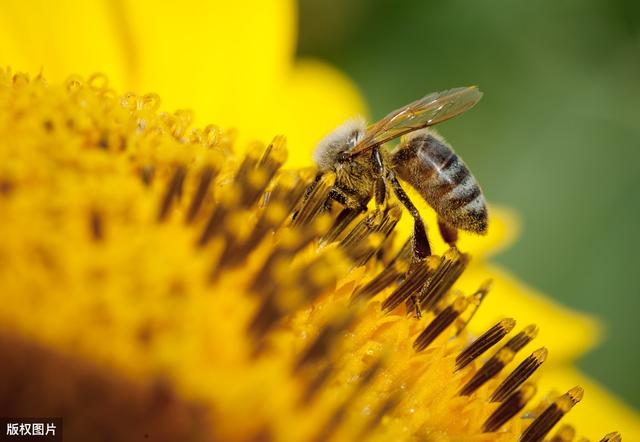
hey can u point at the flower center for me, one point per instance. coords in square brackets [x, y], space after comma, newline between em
[149, 252]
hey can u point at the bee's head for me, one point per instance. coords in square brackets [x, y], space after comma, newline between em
[333, 148]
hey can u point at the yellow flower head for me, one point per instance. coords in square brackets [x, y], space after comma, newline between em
[159, 280]
[157, 284]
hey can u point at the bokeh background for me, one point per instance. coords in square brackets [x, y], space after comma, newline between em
[556, 136]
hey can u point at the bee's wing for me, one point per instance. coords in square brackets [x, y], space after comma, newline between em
[427, 111]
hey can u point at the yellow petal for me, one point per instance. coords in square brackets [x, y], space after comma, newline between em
[222, 59]
[318, 98]
[599, 412]
[62, 37]
[566, 333]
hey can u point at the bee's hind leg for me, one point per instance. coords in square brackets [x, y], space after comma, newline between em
[421, 247]
[448, 233]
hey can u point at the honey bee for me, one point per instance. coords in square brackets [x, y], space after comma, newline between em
[365, 168]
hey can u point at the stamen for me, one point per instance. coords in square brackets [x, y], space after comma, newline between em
[484, 342]
[494, 365]
[325, 340]
[343, 220]
[523, 338]
[264, 318]
[315, 384]
[440, 323]
[274, 155]
[509, 408]
[475, 303]
[227, 199]
[451, 267]
[398, 266]
[96, 225]
[388, 406]
[289, 189]
[566, 433]
[173, 193]
[549, 417]
[288, 288]
[612, 437]
[315, 201]
[257, 179]
[206, 177]
[520, 374]
[337, 417]
[291, 241]
[367, 236]
[278, 204]
[146, 174]
[418, 274]
[250, 182]
[249, 162]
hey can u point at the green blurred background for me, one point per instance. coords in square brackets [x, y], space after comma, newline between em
[556, 136]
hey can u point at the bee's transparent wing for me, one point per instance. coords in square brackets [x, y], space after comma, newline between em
[427, 111]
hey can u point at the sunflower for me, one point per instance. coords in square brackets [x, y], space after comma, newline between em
[156, 284]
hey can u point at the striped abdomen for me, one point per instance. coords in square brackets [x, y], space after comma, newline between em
[429, 165]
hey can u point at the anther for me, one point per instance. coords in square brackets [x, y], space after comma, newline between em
[361, 242]
[398, 266]
[388, 406]
[476, 301]
[612, 437]
[523, 338]
[206, 177]
[549, 417]
[440, 323]
[338, 415]
[343, 220]
[314, 202]
[520, 374]
[173, 192]
[146, 174]
[565, 433]
[315, 385]
[451, 267]
[274, 155]
[490, 369]
[497, 362]
[96, 225]
[325, 340]
[417, 276]
[484, 342]
[509, 408]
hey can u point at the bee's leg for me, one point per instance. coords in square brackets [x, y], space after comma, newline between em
[381, 182]
[345, 199]
[449, 234]
[421, 247]
[380, 190]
